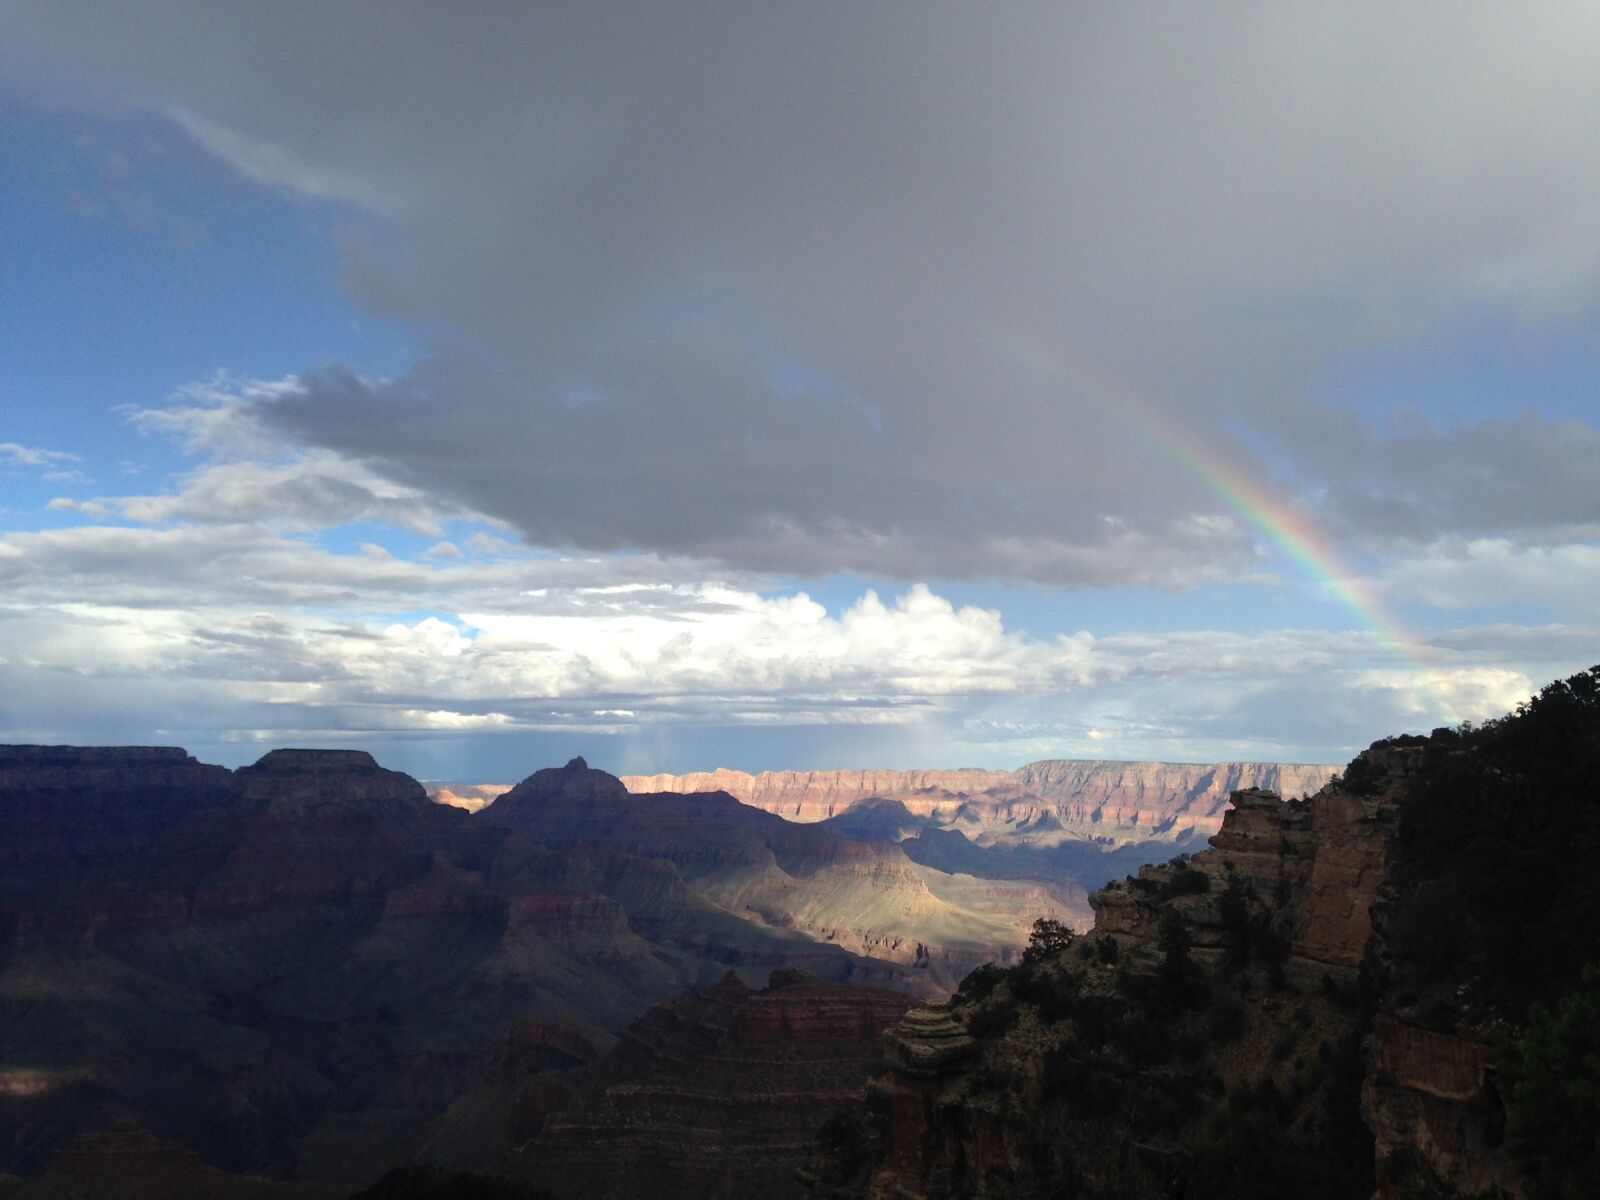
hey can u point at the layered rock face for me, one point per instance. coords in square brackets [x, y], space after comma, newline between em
[292, 782]
[1042, 803]
[1319, 1046]
[864, 896]
[305, 969]
[473, 797]
[955, 1117]
[1429, 1099]
[720, 1095]
[817, 795]
[297, 968]
[65, 809]
[1315, 867]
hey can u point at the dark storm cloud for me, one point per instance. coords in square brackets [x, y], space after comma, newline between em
[822, 286]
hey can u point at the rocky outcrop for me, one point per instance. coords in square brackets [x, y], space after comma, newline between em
[926, 1131]
[928, 1042]
[1313, 868]
[1430, 1101]
[1043, 802]
[290, 782]
[1314, 959]
[817, 795]
[305, 968]
[866, 897]
[720, 1095]
[1281, 902]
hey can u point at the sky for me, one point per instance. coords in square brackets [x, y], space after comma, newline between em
[784, 386]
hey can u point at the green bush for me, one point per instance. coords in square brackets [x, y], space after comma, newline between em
[1187, 881]
[992, 1019]
[1552, 1074]
[1048, 989]
[980, 983]
[1048, 939]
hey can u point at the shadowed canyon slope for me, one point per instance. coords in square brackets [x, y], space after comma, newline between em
[720, 1095]
[296, 968]
[1043, 803]
[865, 895]
[1388, 989]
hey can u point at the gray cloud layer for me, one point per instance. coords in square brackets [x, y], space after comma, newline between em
[820, 287]
[273, 622]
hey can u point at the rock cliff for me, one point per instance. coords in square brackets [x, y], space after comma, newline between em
[865, 896]
[1043, 802]
[1099, 1064]
[1386, 989]
[296, 968]
[305, 969]
[719, 1095]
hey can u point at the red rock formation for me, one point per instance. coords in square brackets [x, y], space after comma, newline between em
[817, 795]
[864, 896]
[716, 1096]
[926, 1139]
[474, 797]
[1115, 801]
[300, 967]
[1316, 870]
[1430, 1093]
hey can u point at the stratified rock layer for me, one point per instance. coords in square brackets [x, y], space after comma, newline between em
[305, 969]
[866, 896]
[1042, 802]
[720, 1095]
[928, 1042]
[1306, 887]
[295, 969]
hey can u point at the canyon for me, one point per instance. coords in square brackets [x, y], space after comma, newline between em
[289, 978]
[718, 1095]
[297, 969]
[1042, 804]
[1386, 989]
[1270, 924]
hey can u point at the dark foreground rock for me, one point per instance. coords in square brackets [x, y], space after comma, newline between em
[721, 1095]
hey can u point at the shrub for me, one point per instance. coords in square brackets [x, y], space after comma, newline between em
[980, 983]
[992, 1019]
[1553, 1075]
[1174, 987]
[1048, 939]
[843, 1142]
[1186, 881]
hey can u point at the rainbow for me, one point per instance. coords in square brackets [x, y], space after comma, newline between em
[1280, 522]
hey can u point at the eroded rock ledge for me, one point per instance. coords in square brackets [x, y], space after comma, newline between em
[1310, 877]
